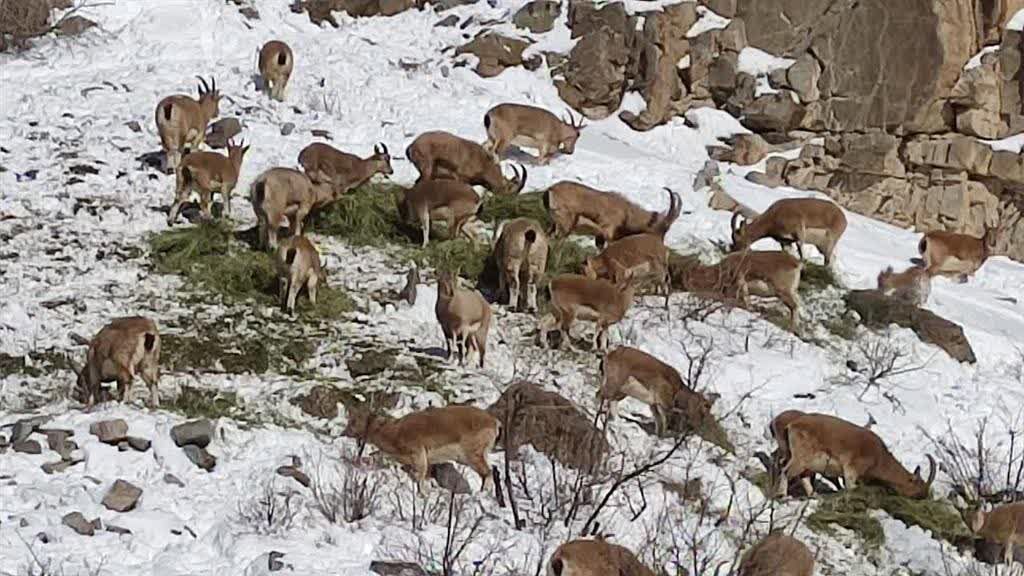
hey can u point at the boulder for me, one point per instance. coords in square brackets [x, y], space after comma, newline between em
[802, 77]
[748, 149]
[496, 52]
[109, 431]
[77, 522]
[196, 433]
[448, 477]
[295, 473]
[172, 479]
[981, 123]
[773, 113]
[27, 447]
[122, 496]
[218, 134]
[725, 8]
[139, 444]
[200, 457]
[538, 16]
[60, 465]
[594, 77]
[25, 427]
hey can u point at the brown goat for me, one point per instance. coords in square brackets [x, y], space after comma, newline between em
[912, 286]
[1003, 525]
[326, 164]
[595, 558]
[574, 296]
[645, 256]
[452, 200]
[777, 555]
[836, 448]
[298, 266]
[462, 434]
[276, 64]
[123, 348]
[952, 254]
[520, 250]
[521, 125]
[776, 430]
[794, 220]
[206, 173]
[181, 121]
[281, 193]
[440, 155]
[464, 316]
[608, 216]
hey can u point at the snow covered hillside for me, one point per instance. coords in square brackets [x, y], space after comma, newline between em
[77, 210]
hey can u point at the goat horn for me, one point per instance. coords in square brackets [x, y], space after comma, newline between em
[931, 472]
[203, 86]
[213, 84]
[384, 149]
[735, 217]
[522, 180]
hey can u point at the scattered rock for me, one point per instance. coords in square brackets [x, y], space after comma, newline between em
[27, 447]
[60, 465]
[172, 479]
[274, 563]
[250, 12]
[287, 128]
[538, 16]
[77, 522]
[221, 131]
[25, 427]
[496, 52]
[594, 78]
[706, 175]
[74, 25]
[371, 362]
[397, 569]
[322, 401]
[294, 472]
[316, 132]
[773, 113]
[110, 431]
[194, 433]
[200, 457]
[408, 292]
[748, 149]
[134, 126]
[122, 496]
[139, 444]
[448, 477]
[447, 21]
[117, 529]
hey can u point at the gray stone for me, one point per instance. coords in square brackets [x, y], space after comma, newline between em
[538, 16]
[274, 563]
[24, 428]
[172, 479]
[294, 472]
[134, 126]
[221, 131]
[117, 529]
[200, 457]
[77, 522]
[139, 444]
[448, 477]
[250, 12]
[196, 432]
[803, 76]
[773, 113]
[109, 431]
[60, 465]
[287, 128]
[397, 569]
[448, 21]
[27, 447]
[122, 496]
[725, 8]
[706, 175]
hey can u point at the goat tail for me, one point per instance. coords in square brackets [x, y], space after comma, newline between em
[487, 121]
[149, 341]
[289, 256]
[168, 110]
[922, 246]
[282, 58]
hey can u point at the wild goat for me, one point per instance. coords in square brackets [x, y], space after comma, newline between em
[520, 250]
[206, 173]
[325, 164]
[276, 63]
[181, 120]
[645, 256]
[777, 432]
[442, 155]
[119, 351]
[298, 266]
[952, 254]
[777, 555]
[452, 200]
[464, 316]
[574, 296]
[761, 273]
[521, 125]
[282, 193]
[1003, 525]
[595, 558]
[630, 372]
[836, 448]
[462, 434]
[912, 286]
[608, 216]
[793, 220]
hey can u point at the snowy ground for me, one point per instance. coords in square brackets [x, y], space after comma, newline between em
[387, 80]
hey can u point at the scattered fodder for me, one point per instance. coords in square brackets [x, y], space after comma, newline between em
[216, 349]
[816, 277]
[530, 205]
[198, 403]
[366, 216]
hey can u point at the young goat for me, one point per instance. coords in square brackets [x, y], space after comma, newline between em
[276, 63]
[444, 155]
[793, 220]
[122, 349]
[521, 125]
[595, 558]
[777, 555]
[464, 316]
[181, 121]
[1003, 525]
[452, 200]
[912, 286]
[281, 193]
[324, 163]
[206, 173]
[298, 266]
[834, 447]
[608, 216]
[645, 256]
[574, 296]
[630, 372]
[952, 254]
[462, 434]
[521, 250]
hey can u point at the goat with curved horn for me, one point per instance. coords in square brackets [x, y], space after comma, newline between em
[325, 164]
[181, 121]
[444, 155]
[522, 125]
[794, 220]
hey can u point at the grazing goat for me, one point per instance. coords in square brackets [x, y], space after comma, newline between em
[777, 555]
[123, 348]
[298, 266]
[452, 200]
[952, 254]
[442, 155]
[206, 173]
[464, 316]
[776, 432]
[325, 164]
[645, 256]
[462, 434]
[1003, 525]
[520, 250]
[276, 63]
[608, 216]
[521, 125]
[595, 558]
[574, 296]
[181, 121]
[912, 286]
[630, 372]
[281, 193]
[793, 220]
[834, 447]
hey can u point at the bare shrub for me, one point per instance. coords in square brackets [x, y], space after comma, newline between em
[464, 531]
[982, 469]
[22, 20]
[270, 509]
[345, 490]
[874, 361]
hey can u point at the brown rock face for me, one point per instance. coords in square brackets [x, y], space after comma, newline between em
[595, 76]
[496, 53]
